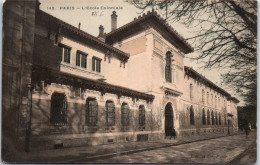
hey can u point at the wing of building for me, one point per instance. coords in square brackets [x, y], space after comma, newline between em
[63, 86]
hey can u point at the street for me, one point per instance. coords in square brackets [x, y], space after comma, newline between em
[215, 151]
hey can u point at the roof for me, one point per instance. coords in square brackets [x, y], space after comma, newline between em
[76, 31]
[191, 72]
[55, 76]
[173, 36]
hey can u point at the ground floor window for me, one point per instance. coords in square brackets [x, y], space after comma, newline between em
[192, 122]
[208, 117]
[110, 113]
[58, 115]
[212, 117]
[91, 112]
[125, 114]
[203, 117]
[141, 115]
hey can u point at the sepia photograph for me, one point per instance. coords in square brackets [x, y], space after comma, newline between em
[129, 81]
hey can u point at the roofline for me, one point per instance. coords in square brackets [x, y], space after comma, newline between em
[187, 47]
[189, 69]
[85, 34]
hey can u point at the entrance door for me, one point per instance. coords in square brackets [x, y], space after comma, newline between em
[168, 119]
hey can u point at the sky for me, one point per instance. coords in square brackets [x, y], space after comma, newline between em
[92, 13]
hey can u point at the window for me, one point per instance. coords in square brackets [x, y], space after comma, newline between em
[212, 99]
[81, 60]
[91, 112]
[192, 122]
[58, 115]
[96, 64]
[110, 113]
[168, 70]
[219, 117]
[216, 101]
[65, 54]
[212, 117]
[191, 91]
[207, 97]
[203, 117]
[216, 114]
[203, 93]
[208, 117]
[125, 114]
[225, 118]
[141, 115]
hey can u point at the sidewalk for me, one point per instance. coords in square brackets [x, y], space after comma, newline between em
[92, 153]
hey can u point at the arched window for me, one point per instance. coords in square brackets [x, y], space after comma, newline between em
[203, 117]
[141, 115]
[216, 101]
[219, 117]
[216, 114]
[168, 70]
[110, 113]
[207, 97]
[208, 117]
[125, 114]
[203, 97]
[212, 117]
[191, 91]
[192, 122]
[91, 112]
[225, 118]
[211, 99]
[58, 115]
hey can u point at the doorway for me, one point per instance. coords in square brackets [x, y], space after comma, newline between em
[168, 119]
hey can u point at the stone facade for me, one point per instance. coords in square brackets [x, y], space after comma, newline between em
[141, 69]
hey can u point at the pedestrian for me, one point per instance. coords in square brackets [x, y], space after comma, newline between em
[247, 130]
[173, 133]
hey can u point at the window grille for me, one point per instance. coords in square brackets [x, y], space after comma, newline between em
[125, 114]
[141, 115]
[58, 115]
[110, 113]
[91, 112]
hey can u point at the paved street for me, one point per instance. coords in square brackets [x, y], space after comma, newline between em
[220, 150]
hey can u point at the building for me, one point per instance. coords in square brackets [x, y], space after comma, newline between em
[63, 87]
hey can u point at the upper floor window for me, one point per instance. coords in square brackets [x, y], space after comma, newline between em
[65, 54]
[91, 112]
[110, 113]
[212, 99]
[168, 69]
[96, 64]
[191, 91]
[125, 114]
[141, 115]
[81, 59]
[58, 115]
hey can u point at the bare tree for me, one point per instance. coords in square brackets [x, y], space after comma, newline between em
[226, 36]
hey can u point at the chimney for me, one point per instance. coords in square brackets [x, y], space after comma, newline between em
[113, 21]
[101, 35]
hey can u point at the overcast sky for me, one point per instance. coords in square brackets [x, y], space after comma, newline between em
[92, 13]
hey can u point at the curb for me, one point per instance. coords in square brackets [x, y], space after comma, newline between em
[93, 158]
[235, 158]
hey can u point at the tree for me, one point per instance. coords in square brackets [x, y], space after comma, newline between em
[226, 37]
